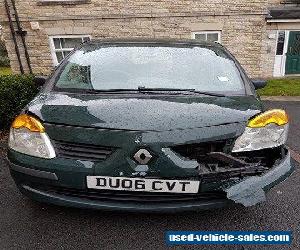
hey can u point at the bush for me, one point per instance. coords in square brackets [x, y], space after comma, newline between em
[16, 91]
[4, 61]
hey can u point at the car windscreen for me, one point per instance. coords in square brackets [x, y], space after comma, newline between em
[130, 67]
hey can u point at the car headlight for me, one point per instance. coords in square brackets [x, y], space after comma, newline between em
[28, 136]
[267, 130]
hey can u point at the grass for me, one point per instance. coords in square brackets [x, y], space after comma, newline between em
[5, 71]
[281, 87]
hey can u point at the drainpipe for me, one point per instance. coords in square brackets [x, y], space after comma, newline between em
[13, 34]
[22, 33]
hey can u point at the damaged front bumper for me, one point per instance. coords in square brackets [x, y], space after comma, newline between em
[247, 191]
[252, 190]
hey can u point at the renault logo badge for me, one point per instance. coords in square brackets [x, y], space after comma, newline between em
[143, 156]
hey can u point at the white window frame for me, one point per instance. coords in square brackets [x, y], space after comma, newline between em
[54, 50]
[280, 60]
[208, 32]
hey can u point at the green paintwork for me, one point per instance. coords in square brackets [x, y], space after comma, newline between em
[143, 112]
[293, 53]
[131, 123]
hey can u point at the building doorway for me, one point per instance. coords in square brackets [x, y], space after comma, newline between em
[287, 58]
[292, 65]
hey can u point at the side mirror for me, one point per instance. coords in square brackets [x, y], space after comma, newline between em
[40, 80]
[259, 84]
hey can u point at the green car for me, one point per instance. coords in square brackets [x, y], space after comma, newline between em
[148, 125]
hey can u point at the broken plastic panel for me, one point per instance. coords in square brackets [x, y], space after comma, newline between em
[246, 174]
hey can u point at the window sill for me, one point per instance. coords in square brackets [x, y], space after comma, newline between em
[62, 2]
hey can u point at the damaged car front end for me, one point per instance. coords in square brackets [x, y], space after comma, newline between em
[148, 149]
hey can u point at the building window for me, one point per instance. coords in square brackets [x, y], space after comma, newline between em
[61, 46]
[207, 36]
[280, 43]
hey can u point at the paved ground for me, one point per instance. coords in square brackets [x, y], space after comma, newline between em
[28, 225]
[281, 98]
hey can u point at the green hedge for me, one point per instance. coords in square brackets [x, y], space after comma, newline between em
[15, 92]
[4, 61]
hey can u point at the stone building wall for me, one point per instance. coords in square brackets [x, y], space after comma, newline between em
[242, 23]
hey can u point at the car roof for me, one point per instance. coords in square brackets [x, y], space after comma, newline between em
[149, 41]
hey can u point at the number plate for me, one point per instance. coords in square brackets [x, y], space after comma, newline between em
[145, 185]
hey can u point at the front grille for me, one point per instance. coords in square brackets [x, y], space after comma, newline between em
[199, 151]
[82, 151]
[132, 196]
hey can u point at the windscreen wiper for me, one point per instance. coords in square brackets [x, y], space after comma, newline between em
[108, 91]
[145, 90]
[94, 91]
[142, 90]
